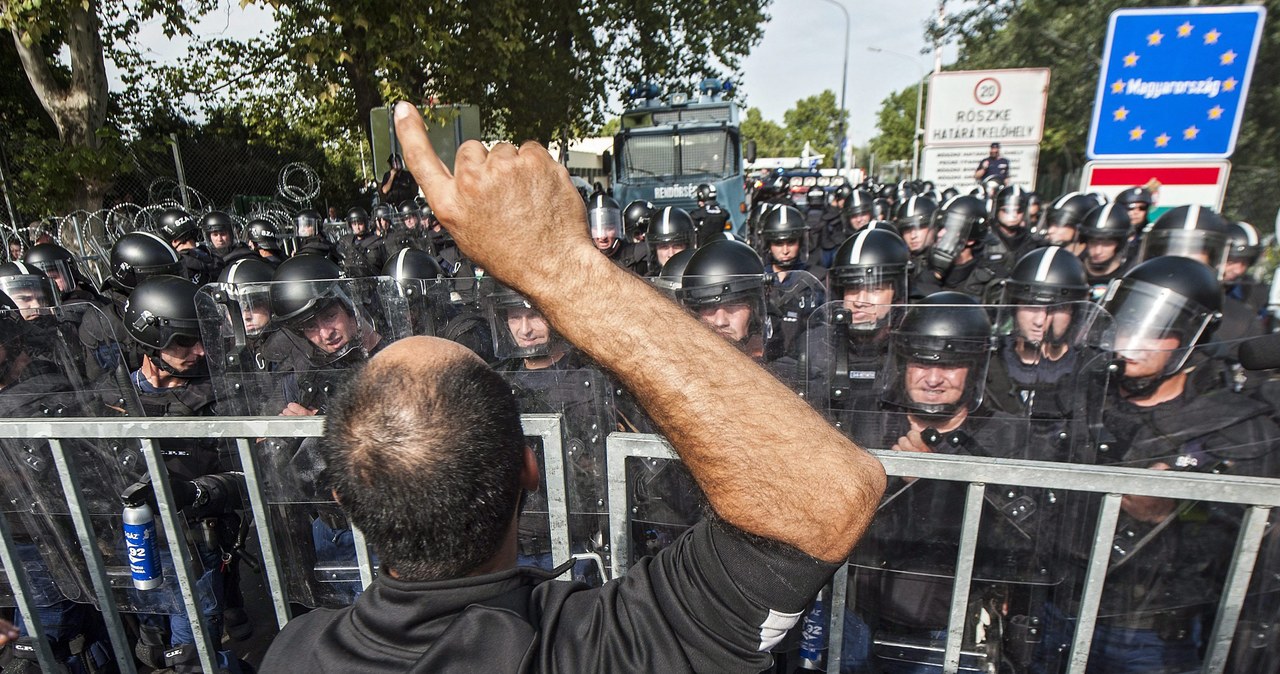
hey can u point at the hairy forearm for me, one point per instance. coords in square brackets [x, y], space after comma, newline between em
[767, 462]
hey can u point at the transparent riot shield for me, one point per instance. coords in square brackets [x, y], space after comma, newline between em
[65, 495]
[277, 368]
[1168, 561]
[845, 348]
[585, 400]
[929, 395]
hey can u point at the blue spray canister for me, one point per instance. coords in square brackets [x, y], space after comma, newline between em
[140, 538]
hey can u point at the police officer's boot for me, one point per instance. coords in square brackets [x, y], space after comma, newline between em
[24, 661]
[151, 646]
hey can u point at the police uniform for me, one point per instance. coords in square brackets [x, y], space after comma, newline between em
[358, 255]
[710, 221]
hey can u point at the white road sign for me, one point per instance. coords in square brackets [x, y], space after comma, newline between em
[954, 166]
[986, 106]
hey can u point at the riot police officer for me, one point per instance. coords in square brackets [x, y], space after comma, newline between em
[356, 251]
[1161, 412]
[849, 337]
[60, 266]
[173, 380]
[1106, 232]
[264, 239]
[914, 220]
[220, 233]
[1244, 247]
[1009, 240]
[309, 235]
[1064, 217]
[135, 257]
[637, 217]
[670, 232]
[957, 259]
[523, 339]
[182, 230]
[1199, 233]
[932, 393]
[605, 221]
[797, 287]
[709, 218]
[724, 283]
[1136, 203]
[1037, 356]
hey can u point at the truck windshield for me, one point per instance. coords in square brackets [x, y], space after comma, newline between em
[704, 154]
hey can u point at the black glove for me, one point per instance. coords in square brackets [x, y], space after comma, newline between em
[205, 495]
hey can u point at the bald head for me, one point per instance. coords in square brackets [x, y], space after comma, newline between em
[422, 354]
[424, 450]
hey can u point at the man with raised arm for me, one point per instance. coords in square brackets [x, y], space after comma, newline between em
[426, 455]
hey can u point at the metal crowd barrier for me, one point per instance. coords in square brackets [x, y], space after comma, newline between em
[243, 430]
[1257, 494]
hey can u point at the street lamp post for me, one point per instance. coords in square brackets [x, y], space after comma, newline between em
[844, 81]
[915, 137]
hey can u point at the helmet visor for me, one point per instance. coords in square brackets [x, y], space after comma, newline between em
[1156, 328]
[30, 292]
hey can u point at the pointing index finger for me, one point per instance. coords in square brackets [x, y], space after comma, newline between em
[422, 159]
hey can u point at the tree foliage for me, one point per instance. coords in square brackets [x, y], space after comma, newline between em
[537, 69]
[815, 119]
[896, 123]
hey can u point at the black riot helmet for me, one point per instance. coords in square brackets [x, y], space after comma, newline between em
[264, 234]
[306, 224]
[424, 285]
[217, 221]
[302, 284]
[28, 287]
[176, 224]
[510, 316]
[905, 190]
[1011, 196]
[944, 330]
[705, 192]
[723, 274]
[1108, 221]
[672, 273]
[139, 255]
[161, 312]
[57, 263]
[1165, 298]
[1069, 210]
[960, 222]
[816, 197]
[604, 219]
[384, 212]
[1048, 275]
[247, 270]
[884, 225]
[859, 203]
[915, 212]
[671, 225]
[842, 193]
[881, 209]
[948, 193]
[785, 223]
[411, 264]
[872, 260]
[638, 217]
[1188, 231]
[358, 216]
[1243, 243]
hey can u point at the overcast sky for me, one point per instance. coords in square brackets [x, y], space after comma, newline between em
[799, 56]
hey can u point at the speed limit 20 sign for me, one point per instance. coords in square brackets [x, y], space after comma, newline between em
[987, 106]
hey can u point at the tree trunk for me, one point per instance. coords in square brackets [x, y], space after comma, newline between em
[78, 110]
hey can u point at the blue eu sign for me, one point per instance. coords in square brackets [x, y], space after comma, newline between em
[1173, 82]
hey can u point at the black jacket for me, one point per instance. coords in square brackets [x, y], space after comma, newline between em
[716, 600]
